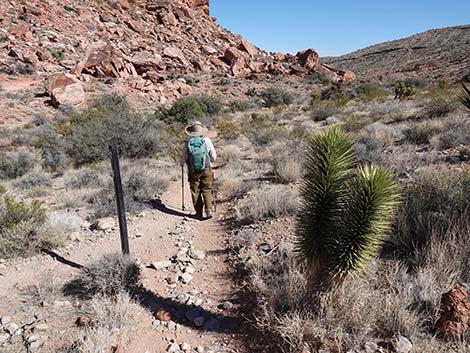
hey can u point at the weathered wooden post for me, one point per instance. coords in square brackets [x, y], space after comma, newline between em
[121, 208]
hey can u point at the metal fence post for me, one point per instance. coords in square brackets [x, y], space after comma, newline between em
[121, 208]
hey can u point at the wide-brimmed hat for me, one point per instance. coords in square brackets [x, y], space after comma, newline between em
[195, 129]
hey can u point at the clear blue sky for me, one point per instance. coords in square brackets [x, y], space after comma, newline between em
[334, 27]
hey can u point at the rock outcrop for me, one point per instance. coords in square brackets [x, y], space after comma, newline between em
[139, 46]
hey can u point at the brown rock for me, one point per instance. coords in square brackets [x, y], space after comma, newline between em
[247, 47]
[135, 26]
[279, 56]
[308, 59]
[174, 53]
[163, 315]
[83, 321]
[101, 61]
[199, 4]
[455, 313]
[232, 55]
[44, 55]
[65, 89]
[21, 30]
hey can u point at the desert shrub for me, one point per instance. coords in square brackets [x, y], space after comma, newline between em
[110, 120]
[421, 133]
[243, 105]
[23, 231]
[336, 94]
[456, 132]
[404, 90]
[34, 179]
[64, 221]
[110, 275]
[268, 202]
[369, 91]
[83, 178]
[16, 165]
[288, 170]
[373, 139]
[141, 184]
[228, 129]
[439, 107]
[274, 96]
[319, 78]
[3, 189]
[323, 110]
[195, 107]
[435, 201]
[230, 153]
[49, 143]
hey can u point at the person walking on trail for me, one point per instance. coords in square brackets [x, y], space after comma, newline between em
[199, 154]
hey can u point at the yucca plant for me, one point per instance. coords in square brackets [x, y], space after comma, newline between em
[346, 210]
[464, 97]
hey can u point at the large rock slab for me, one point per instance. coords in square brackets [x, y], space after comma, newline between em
[65, 89]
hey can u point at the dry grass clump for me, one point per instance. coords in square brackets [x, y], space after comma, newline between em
[110, 275]
[230, 153]
[34, 179]
[456, 132]
[84, 178]
[64, 221]
[16, 165]
[423, 132]
[287, 170]
[268, 202]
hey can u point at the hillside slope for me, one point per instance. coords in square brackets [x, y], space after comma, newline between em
[438, 54]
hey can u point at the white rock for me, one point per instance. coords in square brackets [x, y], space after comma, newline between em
[200, 349]
[12, 328]
[196, 254]
[41, 327]
[4, 337]
[403, 345]
[173, 348]
[32, 338]
[104, 224]
[186, 278]
[5, 320]
[160, 265]
[185, 347]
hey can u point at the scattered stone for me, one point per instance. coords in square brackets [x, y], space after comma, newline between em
[196, 254]
[332, 120]
[104, 224]
[12, 328]
[200, 349]
[172, 279]
[5, 320]
[199, 321]
[171, 326]
[41, 327]
[33, 347]
[163, 314]
[226, 305]
[83, 321]
[161, 265]
[186, 278]
[174, 347]
[4, 337]
[403, 345]
[185, 347]
[32, 339]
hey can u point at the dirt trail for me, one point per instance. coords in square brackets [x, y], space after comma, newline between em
[157, 234]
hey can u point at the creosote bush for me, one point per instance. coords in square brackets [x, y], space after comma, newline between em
[195, 107]
[108, 120]
[273, 97]
[16, 165]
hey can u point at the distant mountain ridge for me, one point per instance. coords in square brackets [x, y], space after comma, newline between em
[437, 54]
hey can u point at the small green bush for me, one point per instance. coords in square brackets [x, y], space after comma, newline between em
[228, 129]
[369, 91]
[16, 165]
[196, 107]
[439, 107]
[242, 105]
[110, 120]
[273, 97]
[82, 178]
[22, 229]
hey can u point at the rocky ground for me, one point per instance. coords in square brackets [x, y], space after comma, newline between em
[188, 280]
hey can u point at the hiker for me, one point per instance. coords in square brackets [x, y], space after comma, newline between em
[199, 154]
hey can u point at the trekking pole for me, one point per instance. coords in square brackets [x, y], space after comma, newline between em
[214, 194]
[182, 187]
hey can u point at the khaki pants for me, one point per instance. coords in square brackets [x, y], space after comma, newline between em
[201, 190]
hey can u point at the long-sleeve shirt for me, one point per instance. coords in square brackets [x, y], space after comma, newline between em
[210, 151]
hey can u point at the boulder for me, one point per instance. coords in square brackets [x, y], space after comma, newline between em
[308, 59]
[248, 48]
[21, 30]
[101, 61]
[173, 53]
[65, 89]
[454, 320]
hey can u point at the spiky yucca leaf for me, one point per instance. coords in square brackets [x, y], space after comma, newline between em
[464, 97]
[372, 198]
[329, 163]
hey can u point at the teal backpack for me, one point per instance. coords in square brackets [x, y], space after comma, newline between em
[197, 152]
